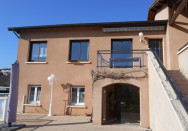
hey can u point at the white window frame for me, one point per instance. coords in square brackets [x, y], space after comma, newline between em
[78, 95]
[5, 106]
[35, 95]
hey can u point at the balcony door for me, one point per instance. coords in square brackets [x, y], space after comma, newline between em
[156, 46]
[121, 53]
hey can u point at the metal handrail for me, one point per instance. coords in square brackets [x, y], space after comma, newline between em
[122, 50]
[125, 60]
[172, 83]
[102, 58]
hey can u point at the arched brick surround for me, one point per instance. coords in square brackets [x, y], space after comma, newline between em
[142, 83]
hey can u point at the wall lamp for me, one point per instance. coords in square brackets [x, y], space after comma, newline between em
[141, 35]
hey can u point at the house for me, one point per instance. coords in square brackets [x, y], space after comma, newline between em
[107, 69]
[4, 92]
[4, 81]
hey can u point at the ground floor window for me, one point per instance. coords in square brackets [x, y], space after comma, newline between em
[77, 95]
[34, 94]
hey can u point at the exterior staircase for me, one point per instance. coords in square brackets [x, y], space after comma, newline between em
[168, 105]
[181, 81]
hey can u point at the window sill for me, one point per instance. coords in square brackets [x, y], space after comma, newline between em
[36, 105]
[78, 62]
[36, 62]
[77, 106]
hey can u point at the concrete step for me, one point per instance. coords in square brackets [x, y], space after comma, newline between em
[120, 127]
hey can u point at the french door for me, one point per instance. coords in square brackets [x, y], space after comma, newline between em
[121, 50]
[156, 46]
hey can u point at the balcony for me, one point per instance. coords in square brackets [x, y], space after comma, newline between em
[121, 58]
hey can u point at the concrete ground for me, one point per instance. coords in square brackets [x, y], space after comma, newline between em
[67, 123]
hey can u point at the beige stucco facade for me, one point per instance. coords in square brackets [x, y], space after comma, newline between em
[58, 42]
[142, 84]
[79, 73]
[176, 35]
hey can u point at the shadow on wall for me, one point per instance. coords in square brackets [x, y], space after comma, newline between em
[44, 109]
[182, 26]
[179, 26]
[30, 109]
[66, 89]
[180, 81]
[67, 109]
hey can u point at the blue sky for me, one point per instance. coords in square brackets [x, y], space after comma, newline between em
[16, 13]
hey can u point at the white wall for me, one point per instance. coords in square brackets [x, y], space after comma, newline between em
[165, 110]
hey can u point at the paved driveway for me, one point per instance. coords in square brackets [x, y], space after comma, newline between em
[67, 123]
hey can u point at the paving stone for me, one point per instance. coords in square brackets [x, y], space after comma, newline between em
[68, 123]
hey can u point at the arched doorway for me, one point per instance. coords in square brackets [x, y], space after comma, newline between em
[121, 104]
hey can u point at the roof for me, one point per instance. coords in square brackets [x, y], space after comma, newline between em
[157, 4]
[105, 24]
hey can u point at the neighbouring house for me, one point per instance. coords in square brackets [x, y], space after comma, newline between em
[121, 72]
[4, 81]
[4, 92]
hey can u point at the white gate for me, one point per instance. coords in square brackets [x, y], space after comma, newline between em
[3, 107]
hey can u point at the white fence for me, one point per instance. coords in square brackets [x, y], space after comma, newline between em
[3, 107]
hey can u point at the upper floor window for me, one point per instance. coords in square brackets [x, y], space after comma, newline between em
[79, 50]
[156, 46]
[121, 53]
[38, 51]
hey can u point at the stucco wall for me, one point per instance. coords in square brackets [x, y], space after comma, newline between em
[58, 41]
[163, 115]
[176, 37]
[183, 62]
[162, 14]
[141, 83]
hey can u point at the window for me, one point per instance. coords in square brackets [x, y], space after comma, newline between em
[77, 96]
[34, 94]
[156, 46]
[121, 49]
[38, 51]
[79, 50]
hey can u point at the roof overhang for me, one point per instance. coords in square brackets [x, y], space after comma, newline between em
[157, 4]
[103, 25]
